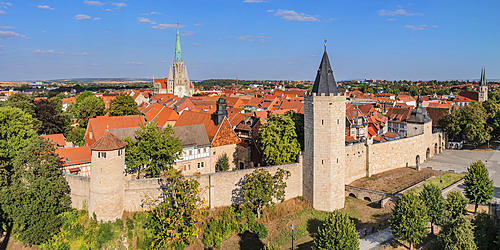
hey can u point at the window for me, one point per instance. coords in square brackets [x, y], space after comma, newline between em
[120, 152]
[185, 167]
[90, 135]
[190, 152]
[101, 154]
[201, 164]
[242, 165]
[199, 151]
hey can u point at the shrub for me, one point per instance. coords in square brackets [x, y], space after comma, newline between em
[270, 246]
[130, 224]
[260, 230]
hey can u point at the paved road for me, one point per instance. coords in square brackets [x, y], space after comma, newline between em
[457, 160]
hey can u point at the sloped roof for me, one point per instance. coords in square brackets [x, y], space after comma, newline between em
[74, 156]
[108, 142]
[325, 81]
[192, 135]
[124, 132]
[166, 115]
[399, 114]
[101, 123]
[467, 96]
[189, 117]
[56, 138]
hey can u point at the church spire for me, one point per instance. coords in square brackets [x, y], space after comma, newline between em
[483, 77]
[325, 81]
[178, 56]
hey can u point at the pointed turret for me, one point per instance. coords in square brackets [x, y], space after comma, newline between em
[325, 81]
[178, 56]
[483, 87]
[483, 77]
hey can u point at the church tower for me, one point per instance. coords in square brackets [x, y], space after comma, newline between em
[324, 136]
[178, 81]
[483, 87]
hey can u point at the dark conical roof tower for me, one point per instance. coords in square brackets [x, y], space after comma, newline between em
[483, 77]
[325, 81]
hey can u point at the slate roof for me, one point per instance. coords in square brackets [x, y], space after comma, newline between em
[419, 114]
[108, 142]
[325, 81]
[192, 135]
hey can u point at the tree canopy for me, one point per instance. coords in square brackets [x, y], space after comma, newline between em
[478, 186]
[278, 140]
[173, 220]
[455, 204]
[123, 105]
[153, 150]
[88, 106]
[467, 122]
[409, 219]
[337, 232]
[35, 195]
[433, 199]
[484, 231]
[457, 234]
[261, 188]
[48, 114]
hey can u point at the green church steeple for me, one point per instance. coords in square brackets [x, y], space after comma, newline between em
[178, 56]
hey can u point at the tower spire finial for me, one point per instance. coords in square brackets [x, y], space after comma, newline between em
[178, 55]
[325, 43]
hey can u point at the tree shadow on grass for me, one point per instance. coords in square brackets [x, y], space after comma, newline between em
[250, 241]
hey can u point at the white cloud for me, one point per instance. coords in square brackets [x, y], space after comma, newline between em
[163, 26]
[253, 1]
[249, 38]
[397, 12]
[2, 12]
[434, 26]
[2, 47]
[392, 19]
[133, 62]
[187, 33]
[144, 20]
[106, 31]
[81, 17]
[197, 24]
[420, 27]
[243, 38]
[43, 31]
[94, 64]
[47, 52]
[108, 10]
[291, 15]
[152, 13]
[197, 44]
[46, 7]
[97, 3]
[8, 35]
[7, 27]
[96, 18]
[119, 5]
[399, 6]
[270, 11]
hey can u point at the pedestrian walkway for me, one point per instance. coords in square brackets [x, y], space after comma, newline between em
[376, 241]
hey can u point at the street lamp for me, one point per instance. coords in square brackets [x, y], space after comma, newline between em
[440, 180]
[292, 226]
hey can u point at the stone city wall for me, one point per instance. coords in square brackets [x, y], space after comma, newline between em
[79, 188]
[355, 161]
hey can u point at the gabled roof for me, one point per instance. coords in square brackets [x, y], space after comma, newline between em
[189, 117]
[325, 81]
[108, 142]
[192, 135]
[58, 139]
[74, 156]
[101, 123]
[467, 96]
[399, 114]
[165, 116]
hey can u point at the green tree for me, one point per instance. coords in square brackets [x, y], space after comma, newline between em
[35, 195]
[153, 150]
[173, 220]
[492, 108]
[337, 232]
[90, 107]
[484, 231]
[123, 105]
[16, 132]
[433, 199]
[223, 163]
[473, 121]
[278, 140]
[23, 102]
[457, 234]
[52, 121]
[261, 188]
[478, 186]
[455, 204]
[76, 136]
[409, 219]
[298, 119]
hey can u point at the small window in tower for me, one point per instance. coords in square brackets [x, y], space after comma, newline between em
[321, 161]
[337, 121]
[120, 152]
[337, 160]
[321, 122]
[101, 154]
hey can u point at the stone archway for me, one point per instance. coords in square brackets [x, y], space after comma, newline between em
[367, 199]
[417, 162]
[352, 195]
[436, 149]
[428, 154]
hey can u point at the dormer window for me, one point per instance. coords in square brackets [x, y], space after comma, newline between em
[90, 135]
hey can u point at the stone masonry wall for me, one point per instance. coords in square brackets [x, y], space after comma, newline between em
[79, 187]
[355, 161]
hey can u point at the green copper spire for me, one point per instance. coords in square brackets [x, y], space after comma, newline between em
[178, 56]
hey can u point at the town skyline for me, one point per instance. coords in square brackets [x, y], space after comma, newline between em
[249, 39]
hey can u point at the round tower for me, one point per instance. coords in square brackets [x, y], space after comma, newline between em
[324, 138]
[106, 178]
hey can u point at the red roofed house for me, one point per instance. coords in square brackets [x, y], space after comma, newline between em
[122, 125]
[58, 140]
[397, 119]
[67, 101]
[75, 160]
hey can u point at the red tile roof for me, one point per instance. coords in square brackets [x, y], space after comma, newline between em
[108, 142]
[58, 139]
[74, 156]
[99, 125]
[165, 116]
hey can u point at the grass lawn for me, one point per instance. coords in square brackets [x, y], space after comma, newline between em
[448, 179]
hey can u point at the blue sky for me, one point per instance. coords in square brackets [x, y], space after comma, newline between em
[249, 39]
